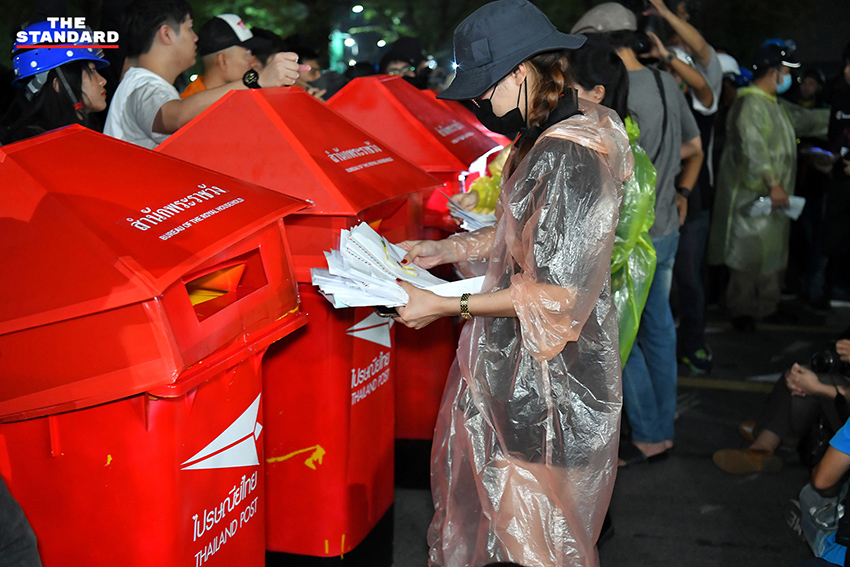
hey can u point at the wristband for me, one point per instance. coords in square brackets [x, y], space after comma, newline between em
[464, 306]
[684, 191]
[669, 57]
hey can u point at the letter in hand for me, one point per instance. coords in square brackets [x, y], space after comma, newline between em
[423, 307]
[282, 71]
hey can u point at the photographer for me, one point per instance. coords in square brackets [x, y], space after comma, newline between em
[802, 398]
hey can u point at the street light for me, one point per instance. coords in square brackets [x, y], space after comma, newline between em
[349, 42]
[381, 43]
[357, 9]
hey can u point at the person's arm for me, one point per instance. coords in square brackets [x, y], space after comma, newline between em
[803, 382]
[282, 70]
[692, 156]
[426, 254]
[688, 33]
[693, 78]
[828, 474]
[564, 255]
[425, 307]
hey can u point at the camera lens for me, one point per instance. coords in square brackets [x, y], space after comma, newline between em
[822, 362]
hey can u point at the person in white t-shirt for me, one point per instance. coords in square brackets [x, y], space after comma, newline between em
[146, 108]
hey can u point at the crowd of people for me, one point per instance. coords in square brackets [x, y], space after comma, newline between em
[642, 157]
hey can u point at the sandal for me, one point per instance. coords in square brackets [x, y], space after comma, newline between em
[629, 455]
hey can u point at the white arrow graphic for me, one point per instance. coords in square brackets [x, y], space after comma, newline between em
[235, 447]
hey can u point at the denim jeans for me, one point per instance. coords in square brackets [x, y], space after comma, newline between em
[649, 377]
[17, 540]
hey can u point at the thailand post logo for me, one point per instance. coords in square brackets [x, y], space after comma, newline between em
[374, 329]
[65, 33]
[235, 447]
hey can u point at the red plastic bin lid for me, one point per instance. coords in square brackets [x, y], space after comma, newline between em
[98, 238]
[287, 140]
[422, 129]
[469, 116]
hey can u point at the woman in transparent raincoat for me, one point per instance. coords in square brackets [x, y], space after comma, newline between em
[525, 446]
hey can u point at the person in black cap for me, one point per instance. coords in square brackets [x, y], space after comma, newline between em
[146, 108]
[224, 45]
[758, 165]
[405, 58]
[525, 445]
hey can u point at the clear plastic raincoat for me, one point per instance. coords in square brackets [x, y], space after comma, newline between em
[525, 446]
[760, 151]
[633, 259]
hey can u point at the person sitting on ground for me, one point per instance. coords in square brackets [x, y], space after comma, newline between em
[54, 89]
[825, 528]
[146, 108]
[799, 398]
[225, 45]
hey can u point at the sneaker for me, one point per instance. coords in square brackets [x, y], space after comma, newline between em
[745, 461]
[698, 362]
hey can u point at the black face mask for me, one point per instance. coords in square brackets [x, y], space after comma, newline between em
[507, 125]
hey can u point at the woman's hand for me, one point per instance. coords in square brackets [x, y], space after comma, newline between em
[802, 381]
[424, 307]
[428, 253]
[842, 347]
[466, 201]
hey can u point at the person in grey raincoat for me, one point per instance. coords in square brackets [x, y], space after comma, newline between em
[525, 447]
[758, 161]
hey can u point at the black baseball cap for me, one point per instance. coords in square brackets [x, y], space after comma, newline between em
[497, 37]
[773, 55]
[226, 31]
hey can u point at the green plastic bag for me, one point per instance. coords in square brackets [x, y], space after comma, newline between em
[633, 258]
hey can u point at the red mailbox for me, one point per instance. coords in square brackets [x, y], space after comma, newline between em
[140, 296]
[330, 392]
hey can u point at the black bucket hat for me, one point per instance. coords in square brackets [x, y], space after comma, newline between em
[497, 37]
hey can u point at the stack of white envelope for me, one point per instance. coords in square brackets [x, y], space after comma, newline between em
[470, 220]
[364, 270]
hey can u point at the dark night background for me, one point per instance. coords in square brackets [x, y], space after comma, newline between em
[821, 28]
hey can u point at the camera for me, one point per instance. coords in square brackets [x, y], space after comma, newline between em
[828, 361]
